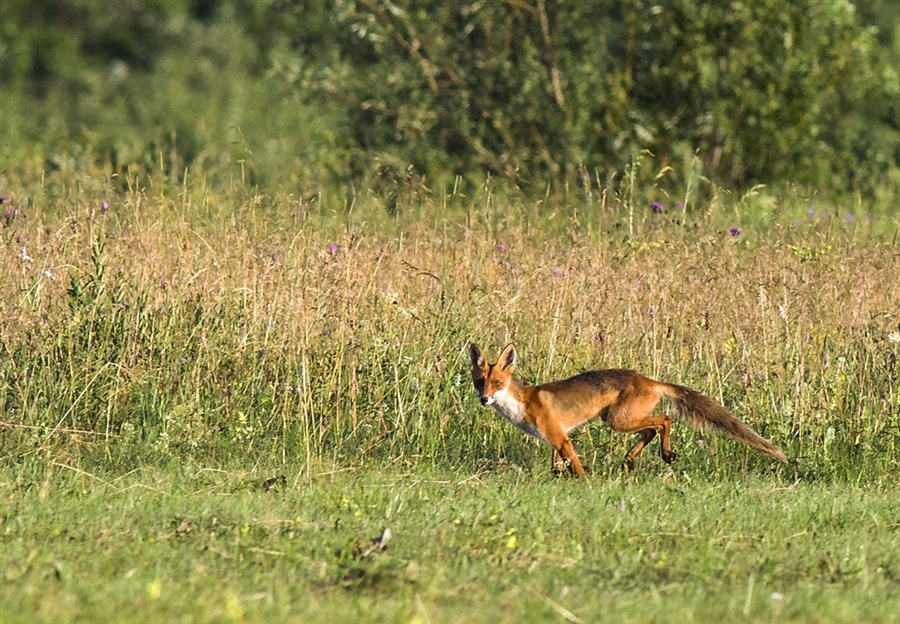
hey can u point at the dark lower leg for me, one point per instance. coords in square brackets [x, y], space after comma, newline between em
[665, 450]
[646, 436]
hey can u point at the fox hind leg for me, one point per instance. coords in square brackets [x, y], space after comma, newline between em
[665, 448]
[648, 430]
[646, 435]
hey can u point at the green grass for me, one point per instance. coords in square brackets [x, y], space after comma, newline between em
[506, 545]
[162, 358]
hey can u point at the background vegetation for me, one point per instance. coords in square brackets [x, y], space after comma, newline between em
[244, 246]
[301, 93]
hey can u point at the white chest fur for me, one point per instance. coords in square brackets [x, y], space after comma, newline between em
[513, 410]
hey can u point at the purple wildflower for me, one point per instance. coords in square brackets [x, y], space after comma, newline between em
[735, 231]
[657, 207]
[8, 213]
[848, 218]
[104, 206]
[559, 272]
[333, 249]
[501, 247]
[811, 212]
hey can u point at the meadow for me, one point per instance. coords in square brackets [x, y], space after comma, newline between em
[215, 401]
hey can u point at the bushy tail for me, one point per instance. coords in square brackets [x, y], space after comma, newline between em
[701, 411]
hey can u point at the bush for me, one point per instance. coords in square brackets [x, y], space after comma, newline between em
[295, 94]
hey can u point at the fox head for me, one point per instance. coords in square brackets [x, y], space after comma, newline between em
[491, 380]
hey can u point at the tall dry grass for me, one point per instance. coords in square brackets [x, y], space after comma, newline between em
[247, 329]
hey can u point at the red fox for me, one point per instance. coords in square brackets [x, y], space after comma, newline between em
[624, 399]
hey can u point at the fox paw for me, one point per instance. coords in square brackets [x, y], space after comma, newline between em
[563, 468]
[669, 457]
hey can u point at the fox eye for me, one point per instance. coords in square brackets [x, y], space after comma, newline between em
[497, 383]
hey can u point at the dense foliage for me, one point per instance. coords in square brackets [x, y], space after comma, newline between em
[757, 91]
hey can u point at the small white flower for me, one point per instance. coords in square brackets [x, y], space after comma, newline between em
[49, 275]
[894, 337]
[23, 255]
[777, 596]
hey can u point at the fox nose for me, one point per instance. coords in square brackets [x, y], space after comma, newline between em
[484, 400]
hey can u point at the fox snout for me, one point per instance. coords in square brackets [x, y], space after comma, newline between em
[486, 400]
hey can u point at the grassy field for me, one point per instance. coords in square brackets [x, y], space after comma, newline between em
[504, 545]
[214, 401]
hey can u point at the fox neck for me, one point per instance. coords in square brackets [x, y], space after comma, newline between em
[510, 404]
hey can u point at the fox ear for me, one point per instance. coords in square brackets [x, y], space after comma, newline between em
[507, 359]
[476, 355]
